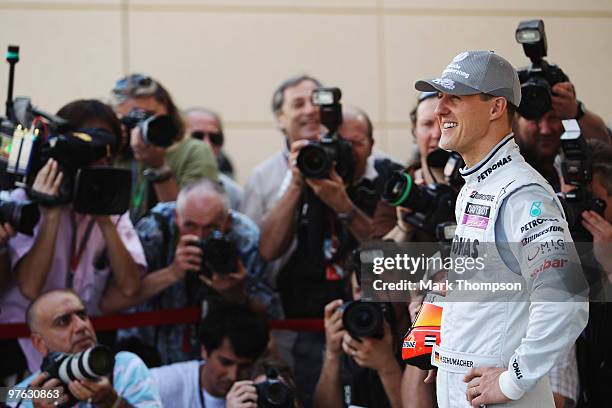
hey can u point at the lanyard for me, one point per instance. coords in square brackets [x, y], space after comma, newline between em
[200, 389]
[77, 252]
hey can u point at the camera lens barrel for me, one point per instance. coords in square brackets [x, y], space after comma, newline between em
[363, 319]
[90, 364]
[314, 161]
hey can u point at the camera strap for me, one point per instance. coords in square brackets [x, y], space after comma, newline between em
[77, 252]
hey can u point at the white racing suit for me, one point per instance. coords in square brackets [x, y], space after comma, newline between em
[509, 214]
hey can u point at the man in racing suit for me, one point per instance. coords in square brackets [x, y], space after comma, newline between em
[497, 347]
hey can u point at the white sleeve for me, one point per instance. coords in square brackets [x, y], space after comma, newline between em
[539, 238]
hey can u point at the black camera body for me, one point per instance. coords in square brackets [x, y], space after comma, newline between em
[30, 136]
[577, 170]
[158, 130]
[365, 319]
[273, 393]
[537, 79]
[317, 158]
[219, 254]
[91, 364]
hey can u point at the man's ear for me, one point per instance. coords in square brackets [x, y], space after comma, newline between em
[39, 344]
[498, 108]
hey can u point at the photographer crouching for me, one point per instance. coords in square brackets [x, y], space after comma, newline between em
[197, 249]
[360, 365]
[59, 324]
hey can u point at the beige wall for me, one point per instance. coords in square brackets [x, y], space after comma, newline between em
[229, 55]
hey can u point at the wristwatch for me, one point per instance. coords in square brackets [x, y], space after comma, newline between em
[158, 175]
[347, 217]
[580, 111]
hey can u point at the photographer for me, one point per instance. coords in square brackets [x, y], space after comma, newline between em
[162, 166]
[58, 322]
[271, 384]
[182, 272]
[88, 254]
[360, 371]
[298, 119]
[206, 125]
[232, 337]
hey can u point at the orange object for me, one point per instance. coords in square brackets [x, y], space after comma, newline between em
[424, 333]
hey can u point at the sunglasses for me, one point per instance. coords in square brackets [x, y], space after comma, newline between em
[134, 85]
[215, 138]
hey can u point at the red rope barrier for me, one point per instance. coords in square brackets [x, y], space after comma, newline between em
[162, 317]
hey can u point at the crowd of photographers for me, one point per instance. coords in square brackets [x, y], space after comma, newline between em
[75, 243]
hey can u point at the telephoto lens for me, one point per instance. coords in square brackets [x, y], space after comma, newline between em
[363, 319]
[90, 364]
[400, 190]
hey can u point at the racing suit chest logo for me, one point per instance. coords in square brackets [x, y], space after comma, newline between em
[484, 197]
[501, 162]
[536, 222]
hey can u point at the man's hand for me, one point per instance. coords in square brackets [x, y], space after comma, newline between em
[47, 182]
[483, 386]
[332, 192]
[296, 175]
[42, 381]
[369, 352]
[601, 230]
[6, 233]
[242, 395]
[187, 257]
[333, 329]
[564, 102]
[431, 376]
[100, 393]
[231, 285]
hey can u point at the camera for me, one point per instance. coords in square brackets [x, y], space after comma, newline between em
[576, 167]
[23, 215]
[91, 364]
[537, 79]
[316, 159]
[30, 136]
[219, 254]
[158, 130]
[365, 319]
[273, 393]
[433, 204]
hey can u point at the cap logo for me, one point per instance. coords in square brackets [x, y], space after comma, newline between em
[444, 82]
[461, 57]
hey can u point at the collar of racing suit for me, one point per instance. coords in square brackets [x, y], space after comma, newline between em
[503, 148]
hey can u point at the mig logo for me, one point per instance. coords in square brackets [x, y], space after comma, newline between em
[535, 209]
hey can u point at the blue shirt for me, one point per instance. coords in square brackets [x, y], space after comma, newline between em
[159, 235]
[131, 379]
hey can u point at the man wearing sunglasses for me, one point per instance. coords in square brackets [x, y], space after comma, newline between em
[160, 169]
[206, 125]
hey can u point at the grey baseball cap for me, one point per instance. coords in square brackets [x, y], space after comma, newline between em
[474, 72]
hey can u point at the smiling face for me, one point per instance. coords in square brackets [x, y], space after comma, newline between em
[541, 138]
[298, 117]
[426, 130]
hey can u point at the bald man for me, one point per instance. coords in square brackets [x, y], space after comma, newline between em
[175, 280]
[59, 323]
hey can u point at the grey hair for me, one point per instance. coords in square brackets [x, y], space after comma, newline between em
[207, 111]
[278, 98]
[206, 186]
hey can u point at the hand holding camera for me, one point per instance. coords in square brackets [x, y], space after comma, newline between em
[44, 381]
[601, 230]
[6, 232]
[47, 184]
[371, 352]
[334, 332]
[564, 102]
[332, 191]
[242, 395]
[187, 256]
[230, 285]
